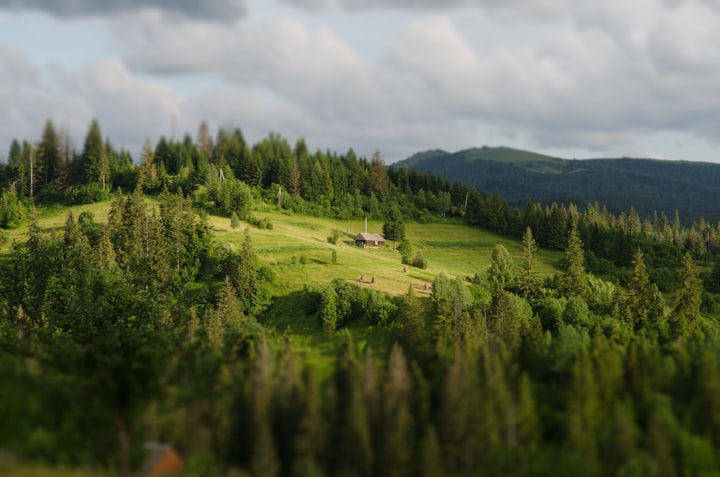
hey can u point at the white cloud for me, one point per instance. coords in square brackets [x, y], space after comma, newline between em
[603, 76]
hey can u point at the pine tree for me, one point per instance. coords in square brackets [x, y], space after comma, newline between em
[411, 329]
[583, 410]
[394, 226]
[501, 272]
[263, 458]
[643, 302]
[574, 279]
[687, 298]
[329, 311]
[527, 281]
[94, 160]
[397, 417]
[49, 154]
[350, 448]
[310, 437]
[378, 182]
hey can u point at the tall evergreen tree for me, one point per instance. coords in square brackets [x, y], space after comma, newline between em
[643, 302]
[501, 272]
[574, 278]
[527, 281]
[378, 182]
[49, 162]
[94, 161]
[687, 298]
[398, 423]
[350, 448]
[394, 226]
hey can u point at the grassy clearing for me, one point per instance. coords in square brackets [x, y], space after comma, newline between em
[453, 249]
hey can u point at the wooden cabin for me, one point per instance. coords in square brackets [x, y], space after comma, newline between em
[369, 240]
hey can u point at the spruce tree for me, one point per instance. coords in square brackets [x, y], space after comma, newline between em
[687, 298]
[644, 304]
[394, 226]
[501, 272]
[329, 311]
[574, 279]
[398, 423]
[94, 161]
[527, 282]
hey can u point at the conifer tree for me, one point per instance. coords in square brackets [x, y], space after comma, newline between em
[501, 272]
[504, 324]
[394, 226]
[309, 440]
[583, 411]
[263, 457]
[527, 282]
[574, 279]
[687, 298]
[350, 448]
[329, 311]
[95, 166]
[643, 302]
[378, 182]
[49, 162]
[397, 417]
[411, 330]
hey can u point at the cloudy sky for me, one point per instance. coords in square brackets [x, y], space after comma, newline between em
[568, 78]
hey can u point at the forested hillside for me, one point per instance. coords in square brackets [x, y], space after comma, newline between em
[647, 185]
[579, 341]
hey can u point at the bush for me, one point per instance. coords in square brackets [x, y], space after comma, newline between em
[419, 261]
[86, 193]
[334, 237]
[234, 220]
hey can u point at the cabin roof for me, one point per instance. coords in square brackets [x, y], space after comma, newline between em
[370, 237]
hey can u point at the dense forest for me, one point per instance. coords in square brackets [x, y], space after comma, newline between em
[648, 184]
[142, 327]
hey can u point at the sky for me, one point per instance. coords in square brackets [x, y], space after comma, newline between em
[568, 78]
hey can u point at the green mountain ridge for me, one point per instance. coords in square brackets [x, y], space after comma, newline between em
[648, 185]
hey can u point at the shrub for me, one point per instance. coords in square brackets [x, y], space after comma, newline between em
[234, 220]
[419, 261]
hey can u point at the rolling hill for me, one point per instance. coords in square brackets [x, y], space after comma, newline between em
[691, 188]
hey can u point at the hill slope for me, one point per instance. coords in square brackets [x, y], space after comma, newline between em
[692, 188]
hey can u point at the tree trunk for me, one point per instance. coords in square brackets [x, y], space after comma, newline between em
[123, 437]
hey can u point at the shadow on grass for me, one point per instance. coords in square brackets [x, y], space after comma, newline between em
[296, 313]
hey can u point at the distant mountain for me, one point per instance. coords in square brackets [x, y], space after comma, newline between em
[692, 188]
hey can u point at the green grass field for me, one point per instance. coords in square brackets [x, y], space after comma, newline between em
[453, 249]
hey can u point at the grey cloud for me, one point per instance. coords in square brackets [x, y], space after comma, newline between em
[542, 7]
[215, 9]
